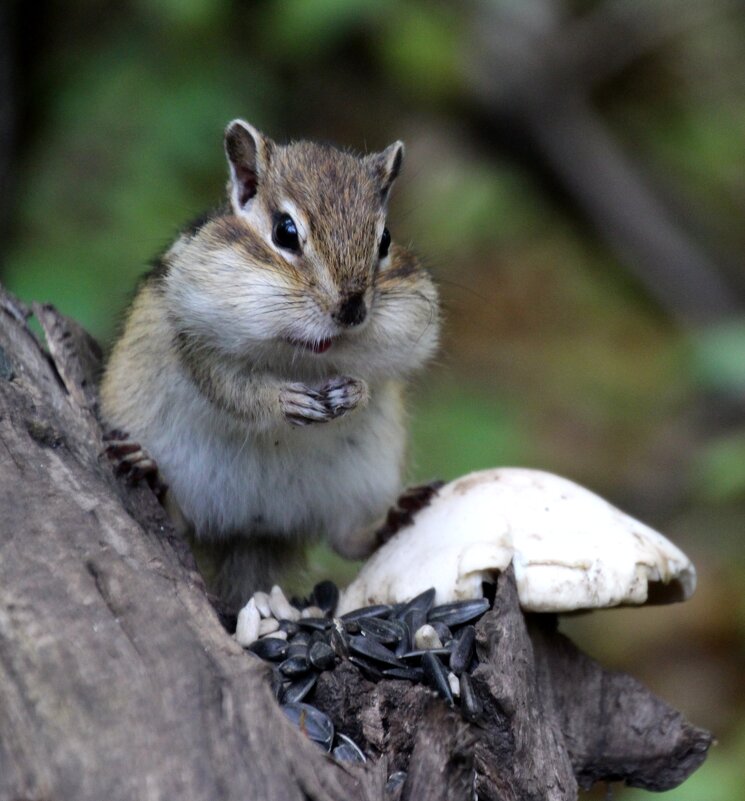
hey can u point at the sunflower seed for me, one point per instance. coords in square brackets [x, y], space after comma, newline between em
[462, 649]
[436, 676]
[297, 690]
[455, 614]
[281, 608]
[347, 750]
[294, 666]
[322, 656]
[325, 595]
[247, 627]
[426, 637]
[471, 706]
[412, 657]
[268, 626]
[372, 649]
[311, 722]
[262, 604]
[369, 670]
[414, 674]
[422, 602]
[297, 649]
[388, 632]
[273, 649]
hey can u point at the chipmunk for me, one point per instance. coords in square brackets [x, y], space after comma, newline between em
[263, 361]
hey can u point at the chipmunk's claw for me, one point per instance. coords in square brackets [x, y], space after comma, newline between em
[407, 505]
[132, 460]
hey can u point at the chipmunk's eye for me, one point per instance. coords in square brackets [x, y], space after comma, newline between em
[284, 233]
[385, 243]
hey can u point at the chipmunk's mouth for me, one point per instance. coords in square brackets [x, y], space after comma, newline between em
[314, 346]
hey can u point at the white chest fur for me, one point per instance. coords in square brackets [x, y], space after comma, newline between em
[321, 480]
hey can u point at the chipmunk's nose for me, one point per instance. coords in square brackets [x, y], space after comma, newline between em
[352, 310]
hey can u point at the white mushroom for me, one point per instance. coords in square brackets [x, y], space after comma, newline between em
[570, 548]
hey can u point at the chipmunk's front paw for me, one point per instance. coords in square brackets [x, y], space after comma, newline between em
[342, 394]
[131, 459]
[302, 406]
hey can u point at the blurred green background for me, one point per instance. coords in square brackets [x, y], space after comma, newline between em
[575, 178]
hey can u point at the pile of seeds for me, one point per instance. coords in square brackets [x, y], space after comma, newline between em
[414, 641]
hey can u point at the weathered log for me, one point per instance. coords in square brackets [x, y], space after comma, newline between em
[118, 681]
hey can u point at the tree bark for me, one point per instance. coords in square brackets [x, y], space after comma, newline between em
[118, 681]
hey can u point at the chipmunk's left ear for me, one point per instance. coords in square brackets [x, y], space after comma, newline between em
[249, 153]
[386, 166]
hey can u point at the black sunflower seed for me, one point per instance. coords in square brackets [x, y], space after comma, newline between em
[395, 782]
[368, 668]
[412, 657]
[459, 612]
[347, 750]
[462, 653]
[300, 636]
[270, 648]
[297, 649]
[407, 641]
[290, 627]
[443, 632]
[436, 676]
[372, 649]
[315, 623]
[295, 666]
[322, 656]
[297, 690]
[471, 706]
[379, 610]
[325, 596]
[422, 602]
[388, 632]
[339, 642]
[415, 674]
[311, 722]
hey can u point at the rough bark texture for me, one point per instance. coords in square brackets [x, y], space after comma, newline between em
[117, 680]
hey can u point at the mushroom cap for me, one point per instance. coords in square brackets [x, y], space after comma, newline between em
[570, 548]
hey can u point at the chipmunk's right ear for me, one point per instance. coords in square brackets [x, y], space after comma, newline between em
[248, 152]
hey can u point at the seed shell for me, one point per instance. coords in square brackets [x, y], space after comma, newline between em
[471, 706]
[295, 666]
[297, 690]
[422, 602]
[369, 670]
[379, 610]
[462, 653]
[347, 750]
[415, 674]
[273, 649]
[322, 656]
[388, 632]
[459, 612]
[312, 722]
[372, 649]
[436, 676]
[325, 595]
[315, 623]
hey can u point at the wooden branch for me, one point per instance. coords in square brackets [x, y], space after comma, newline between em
[118, 681]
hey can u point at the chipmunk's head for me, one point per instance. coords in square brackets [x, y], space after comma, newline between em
[306, 257]
[321, 211]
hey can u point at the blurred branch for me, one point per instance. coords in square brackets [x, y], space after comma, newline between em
[520, 73]
[599, 45]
